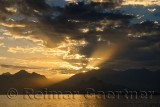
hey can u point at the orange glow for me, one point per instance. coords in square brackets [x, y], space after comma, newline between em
[100, 55]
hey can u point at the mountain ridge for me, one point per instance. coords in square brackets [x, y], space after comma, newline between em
[21, 80]
[107, 79]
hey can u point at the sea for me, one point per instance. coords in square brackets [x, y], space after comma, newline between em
[65, 100]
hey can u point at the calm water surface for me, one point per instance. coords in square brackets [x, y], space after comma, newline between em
[76, 101]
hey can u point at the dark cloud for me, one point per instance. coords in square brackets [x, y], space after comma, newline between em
[146, 27]
[55, 23]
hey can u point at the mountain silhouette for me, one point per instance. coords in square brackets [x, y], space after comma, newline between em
[100, 80]
[6, 74]
[22, 74]
[21, 80]
[107, 80]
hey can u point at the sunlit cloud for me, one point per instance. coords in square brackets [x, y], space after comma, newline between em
[1, 44]
[76, 38]
[124, 2]
[152, 10]
[13, 25]
[11, 9]
[85, 30]
[1, 38]
[3, 58]
[141, 2]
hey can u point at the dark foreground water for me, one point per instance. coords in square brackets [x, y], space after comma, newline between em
[77, 101]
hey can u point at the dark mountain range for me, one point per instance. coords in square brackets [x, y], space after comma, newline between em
[22, 74]
[107, 79]
[100, 80]
[21, 80]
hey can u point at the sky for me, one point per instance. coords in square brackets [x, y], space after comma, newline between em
[61, 38]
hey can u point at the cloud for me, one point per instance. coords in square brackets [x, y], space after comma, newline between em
[3, 58]
[1, 44]
[124, 2]
[16, 67]
[141, 2]
[97, 24]
[1, 38]
[54, 30]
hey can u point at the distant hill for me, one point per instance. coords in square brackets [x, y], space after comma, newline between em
[107, 79]
[22, 74]
[100, 80]
[21, 80]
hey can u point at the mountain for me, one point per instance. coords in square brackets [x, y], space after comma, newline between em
[21, 80]
[6, 74]
[22, 74]
[99, 80]
[107, 80]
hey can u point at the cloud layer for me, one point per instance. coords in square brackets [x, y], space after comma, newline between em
[82, 31]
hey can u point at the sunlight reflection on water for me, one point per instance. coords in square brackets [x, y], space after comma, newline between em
[77, 101]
